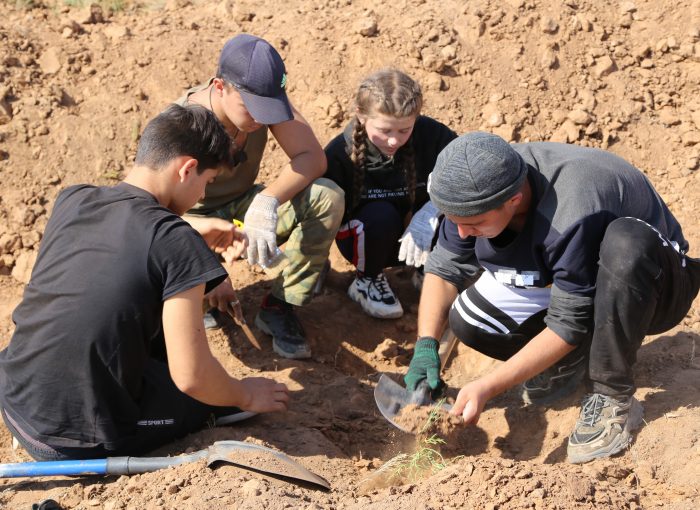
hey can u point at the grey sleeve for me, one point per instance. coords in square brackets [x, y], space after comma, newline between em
[570, 316]
[460, 270]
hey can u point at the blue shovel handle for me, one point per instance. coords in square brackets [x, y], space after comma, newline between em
[54, 467]
[108, 466]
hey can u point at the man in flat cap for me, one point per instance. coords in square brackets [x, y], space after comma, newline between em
[558, 260]
[299, 207]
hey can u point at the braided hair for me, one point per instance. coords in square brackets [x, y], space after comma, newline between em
[395, 94]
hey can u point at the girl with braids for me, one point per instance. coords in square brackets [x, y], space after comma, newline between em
[382, 161]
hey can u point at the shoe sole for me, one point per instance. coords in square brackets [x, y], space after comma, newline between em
[306, 354]
[357, 298]
[211, 323]
[233, 418]
[621, 442]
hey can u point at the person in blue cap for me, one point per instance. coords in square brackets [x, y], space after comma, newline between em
[299, 207]
[558, 260]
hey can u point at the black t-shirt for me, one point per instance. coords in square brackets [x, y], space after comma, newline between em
[110, 256]
[383, 181]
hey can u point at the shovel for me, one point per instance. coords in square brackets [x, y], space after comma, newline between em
[244, 455]
[391, 398]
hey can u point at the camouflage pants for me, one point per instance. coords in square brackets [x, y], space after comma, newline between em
[306, 225]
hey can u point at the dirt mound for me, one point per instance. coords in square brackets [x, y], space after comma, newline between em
[77, 84]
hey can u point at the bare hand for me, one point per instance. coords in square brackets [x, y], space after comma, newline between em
[470, 402]
[264, 395]
[220, 235]
[221, 295]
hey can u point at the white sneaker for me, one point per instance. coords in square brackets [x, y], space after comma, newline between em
[375, 297]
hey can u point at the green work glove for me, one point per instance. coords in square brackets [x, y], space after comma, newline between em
[425, 365]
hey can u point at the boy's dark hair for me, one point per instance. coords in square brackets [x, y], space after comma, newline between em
[184, 131]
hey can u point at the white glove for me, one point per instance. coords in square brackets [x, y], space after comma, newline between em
[415, 241]
[260, 224]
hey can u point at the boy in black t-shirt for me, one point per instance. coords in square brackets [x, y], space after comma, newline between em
[84, 385]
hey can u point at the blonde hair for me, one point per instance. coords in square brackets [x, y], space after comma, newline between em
[395, 94]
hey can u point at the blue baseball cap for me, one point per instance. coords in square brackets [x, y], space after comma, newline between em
[257, 71]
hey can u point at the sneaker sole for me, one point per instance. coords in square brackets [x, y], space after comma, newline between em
[621, 442]
[233, 418]
[358, 298]
[305, 354]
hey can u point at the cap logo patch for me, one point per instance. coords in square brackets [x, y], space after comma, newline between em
[284, 80]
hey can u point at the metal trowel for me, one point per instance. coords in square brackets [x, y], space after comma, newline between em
[391, 398]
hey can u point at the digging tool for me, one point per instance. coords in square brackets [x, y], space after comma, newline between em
[236, 312]
[241, 454]
[391, 398]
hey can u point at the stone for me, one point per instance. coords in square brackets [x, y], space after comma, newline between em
[252, 488]
[24, 264]
[695, 116]
[366, 27]
[387, 349]
[625, 20]
[579, 117]
[435, 82]
[50, 61]
[548, 25]
[539, 493]
[549, 60]
[568, 132]
[604, 66]
[5, 111]
[690, 138]
[495, 119]
[627, 7]
[449, 52]
[71, 27]
[587, 100]
[506, 131]
[9, 243]
[668, 117]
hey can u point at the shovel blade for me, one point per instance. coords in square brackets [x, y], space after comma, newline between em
[263, 460]
[391, 398]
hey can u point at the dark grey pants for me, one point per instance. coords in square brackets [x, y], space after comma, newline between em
[167, 414]
[644, 287]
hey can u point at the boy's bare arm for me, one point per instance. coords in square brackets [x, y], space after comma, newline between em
[307, 161]
[196, 371]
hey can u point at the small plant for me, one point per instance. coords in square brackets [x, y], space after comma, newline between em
[433, 416]
[426, 460]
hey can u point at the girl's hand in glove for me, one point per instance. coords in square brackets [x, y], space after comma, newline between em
[416, 240]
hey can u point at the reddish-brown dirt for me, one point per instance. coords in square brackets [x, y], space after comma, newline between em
[77, 86]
